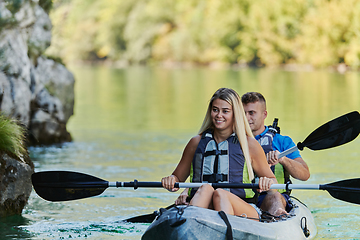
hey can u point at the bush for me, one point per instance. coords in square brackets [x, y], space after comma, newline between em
[12, 138]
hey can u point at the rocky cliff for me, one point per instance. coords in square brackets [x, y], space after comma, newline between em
[35, 90]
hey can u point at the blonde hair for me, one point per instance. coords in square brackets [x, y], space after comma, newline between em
[241, 126]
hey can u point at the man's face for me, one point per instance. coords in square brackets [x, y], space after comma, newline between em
[256, 114]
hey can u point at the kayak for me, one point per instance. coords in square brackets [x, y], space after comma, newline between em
[190, 222]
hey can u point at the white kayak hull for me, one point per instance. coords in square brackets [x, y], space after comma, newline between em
[201, 223]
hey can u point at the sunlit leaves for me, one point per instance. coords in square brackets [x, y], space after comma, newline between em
[272, 32]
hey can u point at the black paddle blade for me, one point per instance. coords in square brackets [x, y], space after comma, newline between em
[64, 186]
[147, 218]
[339, 131]
[345, 190]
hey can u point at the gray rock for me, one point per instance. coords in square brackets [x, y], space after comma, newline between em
[26, 16]
[40, 34]
[48, 121]
[33, 89]
[14, 60]
[21, 96]
[45, 128]
[4, 12]
[30, 82]
[6, 102]
[58, 81]
[15, 185]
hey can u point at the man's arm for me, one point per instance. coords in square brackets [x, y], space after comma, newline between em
[295, 165]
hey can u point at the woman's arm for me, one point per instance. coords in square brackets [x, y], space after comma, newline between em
[260, 165]
[182, 171]
[181, 200]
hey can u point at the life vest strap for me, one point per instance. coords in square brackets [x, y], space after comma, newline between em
[215, 178]
[215, 153]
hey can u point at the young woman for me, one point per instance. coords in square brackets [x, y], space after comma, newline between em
[223, 151]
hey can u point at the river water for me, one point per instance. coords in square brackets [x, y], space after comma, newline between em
[134, 123]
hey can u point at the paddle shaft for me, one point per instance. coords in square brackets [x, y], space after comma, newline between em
[137, 184]
[250, 185]
[288, 151]
[327, 187]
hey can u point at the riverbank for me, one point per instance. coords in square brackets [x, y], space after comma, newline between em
[340, 68]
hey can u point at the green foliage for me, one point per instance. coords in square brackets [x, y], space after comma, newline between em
[272, 32]
[46, 5]
[3, 67]
[12, 137]
[331, 34]
[54, 58]
[13, 5]
[6, 22]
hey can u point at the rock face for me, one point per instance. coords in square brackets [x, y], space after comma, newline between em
[34, 89]
[15, 187]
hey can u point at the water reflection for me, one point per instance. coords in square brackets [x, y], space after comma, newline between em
[134, 123]
[164, 99]
[10, 228]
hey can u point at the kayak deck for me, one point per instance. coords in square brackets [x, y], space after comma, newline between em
[189, 222]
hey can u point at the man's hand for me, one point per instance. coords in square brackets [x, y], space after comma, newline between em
[272, 158]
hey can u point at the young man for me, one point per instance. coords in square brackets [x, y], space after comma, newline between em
[273, 143]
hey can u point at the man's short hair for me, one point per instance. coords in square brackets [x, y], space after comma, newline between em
[252, 97]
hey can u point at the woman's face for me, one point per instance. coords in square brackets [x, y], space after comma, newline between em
[222, 115]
